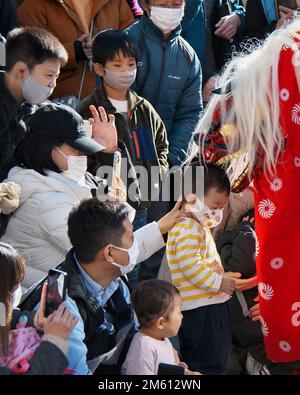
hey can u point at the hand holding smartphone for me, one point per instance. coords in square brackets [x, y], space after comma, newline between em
[56, 290]
[116, 169]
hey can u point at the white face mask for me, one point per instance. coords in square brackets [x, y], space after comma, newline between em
[34, 92]
[205, 215]
[133, 253]
[77, 167]
[119, 80]
[166, 19]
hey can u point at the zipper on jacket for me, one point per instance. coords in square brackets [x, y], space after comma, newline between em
[160, 77]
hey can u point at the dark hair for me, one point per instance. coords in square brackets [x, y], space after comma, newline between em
[109, 43]
[214, 177]
[12, 272]
[93, 224]
[33, 46]
[152, 299]
[34, 152]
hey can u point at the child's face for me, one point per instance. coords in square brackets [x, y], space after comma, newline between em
[172, 323]
[120, 63]
[215, 200]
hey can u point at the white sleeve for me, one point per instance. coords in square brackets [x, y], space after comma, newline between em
[149, 240]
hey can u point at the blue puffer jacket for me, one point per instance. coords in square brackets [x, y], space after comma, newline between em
[170, 77]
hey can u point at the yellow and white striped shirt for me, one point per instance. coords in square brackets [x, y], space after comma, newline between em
[195, 264]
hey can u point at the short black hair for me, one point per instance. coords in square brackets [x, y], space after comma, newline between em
[152, 299]
[93, 225]
[34, 152]
[214, 177]
[109, 43]
[33, 46]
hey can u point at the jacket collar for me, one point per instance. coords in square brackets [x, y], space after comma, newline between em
[152, 31]
[77, 290]
[102, 100]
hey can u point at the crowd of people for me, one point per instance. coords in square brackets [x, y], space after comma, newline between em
[148, 150]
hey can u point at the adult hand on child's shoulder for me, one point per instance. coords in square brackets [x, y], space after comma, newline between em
[176, 215]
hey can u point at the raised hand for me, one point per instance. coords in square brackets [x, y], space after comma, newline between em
[104, 129]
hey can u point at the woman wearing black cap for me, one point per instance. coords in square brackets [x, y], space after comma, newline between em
[51, 169]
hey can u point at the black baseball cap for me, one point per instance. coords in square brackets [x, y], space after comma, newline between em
[64, 123]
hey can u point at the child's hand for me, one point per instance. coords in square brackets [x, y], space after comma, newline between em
[60, 323]
[249, 219]
[255, 311]
[228, 284]
[245, 284]
[167, 222]
[104, 129]
[118, 192]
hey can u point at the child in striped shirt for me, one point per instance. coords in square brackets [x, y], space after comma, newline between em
[197, 272]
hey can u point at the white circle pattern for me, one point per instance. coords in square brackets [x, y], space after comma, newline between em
[296, 114]
[277, 263]
[285, 346]
[284, 94]
[264, 327]
[265, 291]
[276, 184]
[297, 161]
[266, 208]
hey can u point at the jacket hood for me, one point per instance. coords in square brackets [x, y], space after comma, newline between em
[32, 182]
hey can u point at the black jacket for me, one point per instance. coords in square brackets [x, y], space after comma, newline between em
[256, 23]
[237, 252]
[9, 137]
[8, 19]
[97, 342]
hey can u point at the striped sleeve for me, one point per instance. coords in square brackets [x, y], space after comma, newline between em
[194, 263]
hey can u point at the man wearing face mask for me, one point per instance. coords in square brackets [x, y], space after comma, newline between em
[170, 73]
[103, 248]
[197, 271]
[33, 60]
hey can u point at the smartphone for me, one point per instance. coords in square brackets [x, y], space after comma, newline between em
[56, 290]
[116, 168]
[287, 3]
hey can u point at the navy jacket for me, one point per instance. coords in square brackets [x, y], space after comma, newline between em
[170, 77]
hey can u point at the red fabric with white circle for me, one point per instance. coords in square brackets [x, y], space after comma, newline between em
[277, 213]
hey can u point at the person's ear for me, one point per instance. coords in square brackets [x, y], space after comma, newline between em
[20, 71]
[99, 69]
[107, 253]
[160, 323]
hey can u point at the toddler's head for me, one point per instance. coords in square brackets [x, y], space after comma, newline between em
[214, 184]
[157, 305]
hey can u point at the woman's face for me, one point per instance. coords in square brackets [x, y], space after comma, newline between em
[60, 155]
